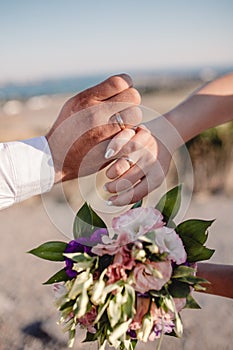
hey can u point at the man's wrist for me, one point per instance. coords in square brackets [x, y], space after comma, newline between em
[26, 169]
[53, 147]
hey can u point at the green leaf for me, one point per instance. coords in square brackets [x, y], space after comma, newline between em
[137, 204]
[50, 251]
[128, 307]
[199, 287]
[178, 325]
[114, 312]
[119, 331]
[82, 282]
[192, 280]
[60, 276]
[86, 222]
[81, 304]
[71, 338]
[90, 337]
[191, 303]
[183, 271]
[133, 344]
[196, 251]
[195, 229]
[194, 234]
[169, 204]
[67, 305]
[79, 257]
[179, 289]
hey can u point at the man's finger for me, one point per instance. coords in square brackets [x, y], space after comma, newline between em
[109, 87]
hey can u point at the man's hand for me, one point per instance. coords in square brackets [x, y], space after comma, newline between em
[78, 137]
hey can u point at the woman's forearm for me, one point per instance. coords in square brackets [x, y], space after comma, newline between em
[220, 278]
[208, 107]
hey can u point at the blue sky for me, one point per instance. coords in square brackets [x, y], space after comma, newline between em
[55, 38]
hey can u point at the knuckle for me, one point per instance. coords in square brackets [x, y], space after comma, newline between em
[131, 147]
[126, 77]
[136, 97]
[120, 82]
[119, 169]
[110, 174]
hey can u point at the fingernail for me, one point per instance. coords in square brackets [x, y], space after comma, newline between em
[109, 153]
[109, 203]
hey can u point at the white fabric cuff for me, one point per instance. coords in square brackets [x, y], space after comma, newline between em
[26, 170]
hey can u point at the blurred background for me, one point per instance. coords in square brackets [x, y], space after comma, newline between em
[51, 50]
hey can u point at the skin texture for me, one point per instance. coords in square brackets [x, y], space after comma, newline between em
[220, 278]
[152, 151]
[86, 122]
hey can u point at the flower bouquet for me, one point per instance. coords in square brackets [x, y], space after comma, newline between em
[132, 283]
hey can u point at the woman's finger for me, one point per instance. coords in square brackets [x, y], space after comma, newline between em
[139, 191]
[144, 167]
[141, 140]
[118, 142]
[121, 166]
[128, 142]
[125, 181]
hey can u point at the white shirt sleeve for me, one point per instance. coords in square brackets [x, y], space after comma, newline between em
[26, 169]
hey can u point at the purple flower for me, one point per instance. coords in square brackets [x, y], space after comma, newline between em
[165, 326]
[132, 333]
[82, 245]
[96, 237]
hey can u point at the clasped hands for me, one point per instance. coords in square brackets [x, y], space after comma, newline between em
[88, 135]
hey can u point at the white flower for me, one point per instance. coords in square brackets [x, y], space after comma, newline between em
[169, 242]
[136, 222]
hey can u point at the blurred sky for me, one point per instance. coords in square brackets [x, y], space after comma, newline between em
[55, 38]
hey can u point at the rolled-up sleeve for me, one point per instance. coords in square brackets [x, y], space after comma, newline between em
[26, 169]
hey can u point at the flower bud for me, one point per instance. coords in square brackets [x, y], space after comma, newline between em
[145, 331]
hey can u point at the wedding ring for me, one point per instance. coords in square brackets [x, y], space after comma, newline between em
[129, 160]
[120, 121]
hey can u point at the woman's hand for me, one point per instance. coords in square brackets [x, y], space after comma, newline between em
[141, 166]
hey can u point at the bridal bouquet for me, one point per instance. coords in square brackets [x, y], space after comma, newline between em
[132, 283]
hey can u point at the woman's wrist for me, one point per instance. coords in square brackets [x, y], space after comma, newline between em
[166, 133]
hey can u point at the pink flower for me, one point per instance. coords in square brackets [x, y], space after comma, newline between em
[124, 258]
[137, 222]
[163, 324]
[88, 319]
[113, 246]
[145, 275]
[129, 226]
[142, 308]
[116, 272]
[122, 261]
[169, 242]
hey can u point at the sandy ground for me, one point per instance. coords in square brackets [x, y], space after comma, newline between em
[27, 315]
